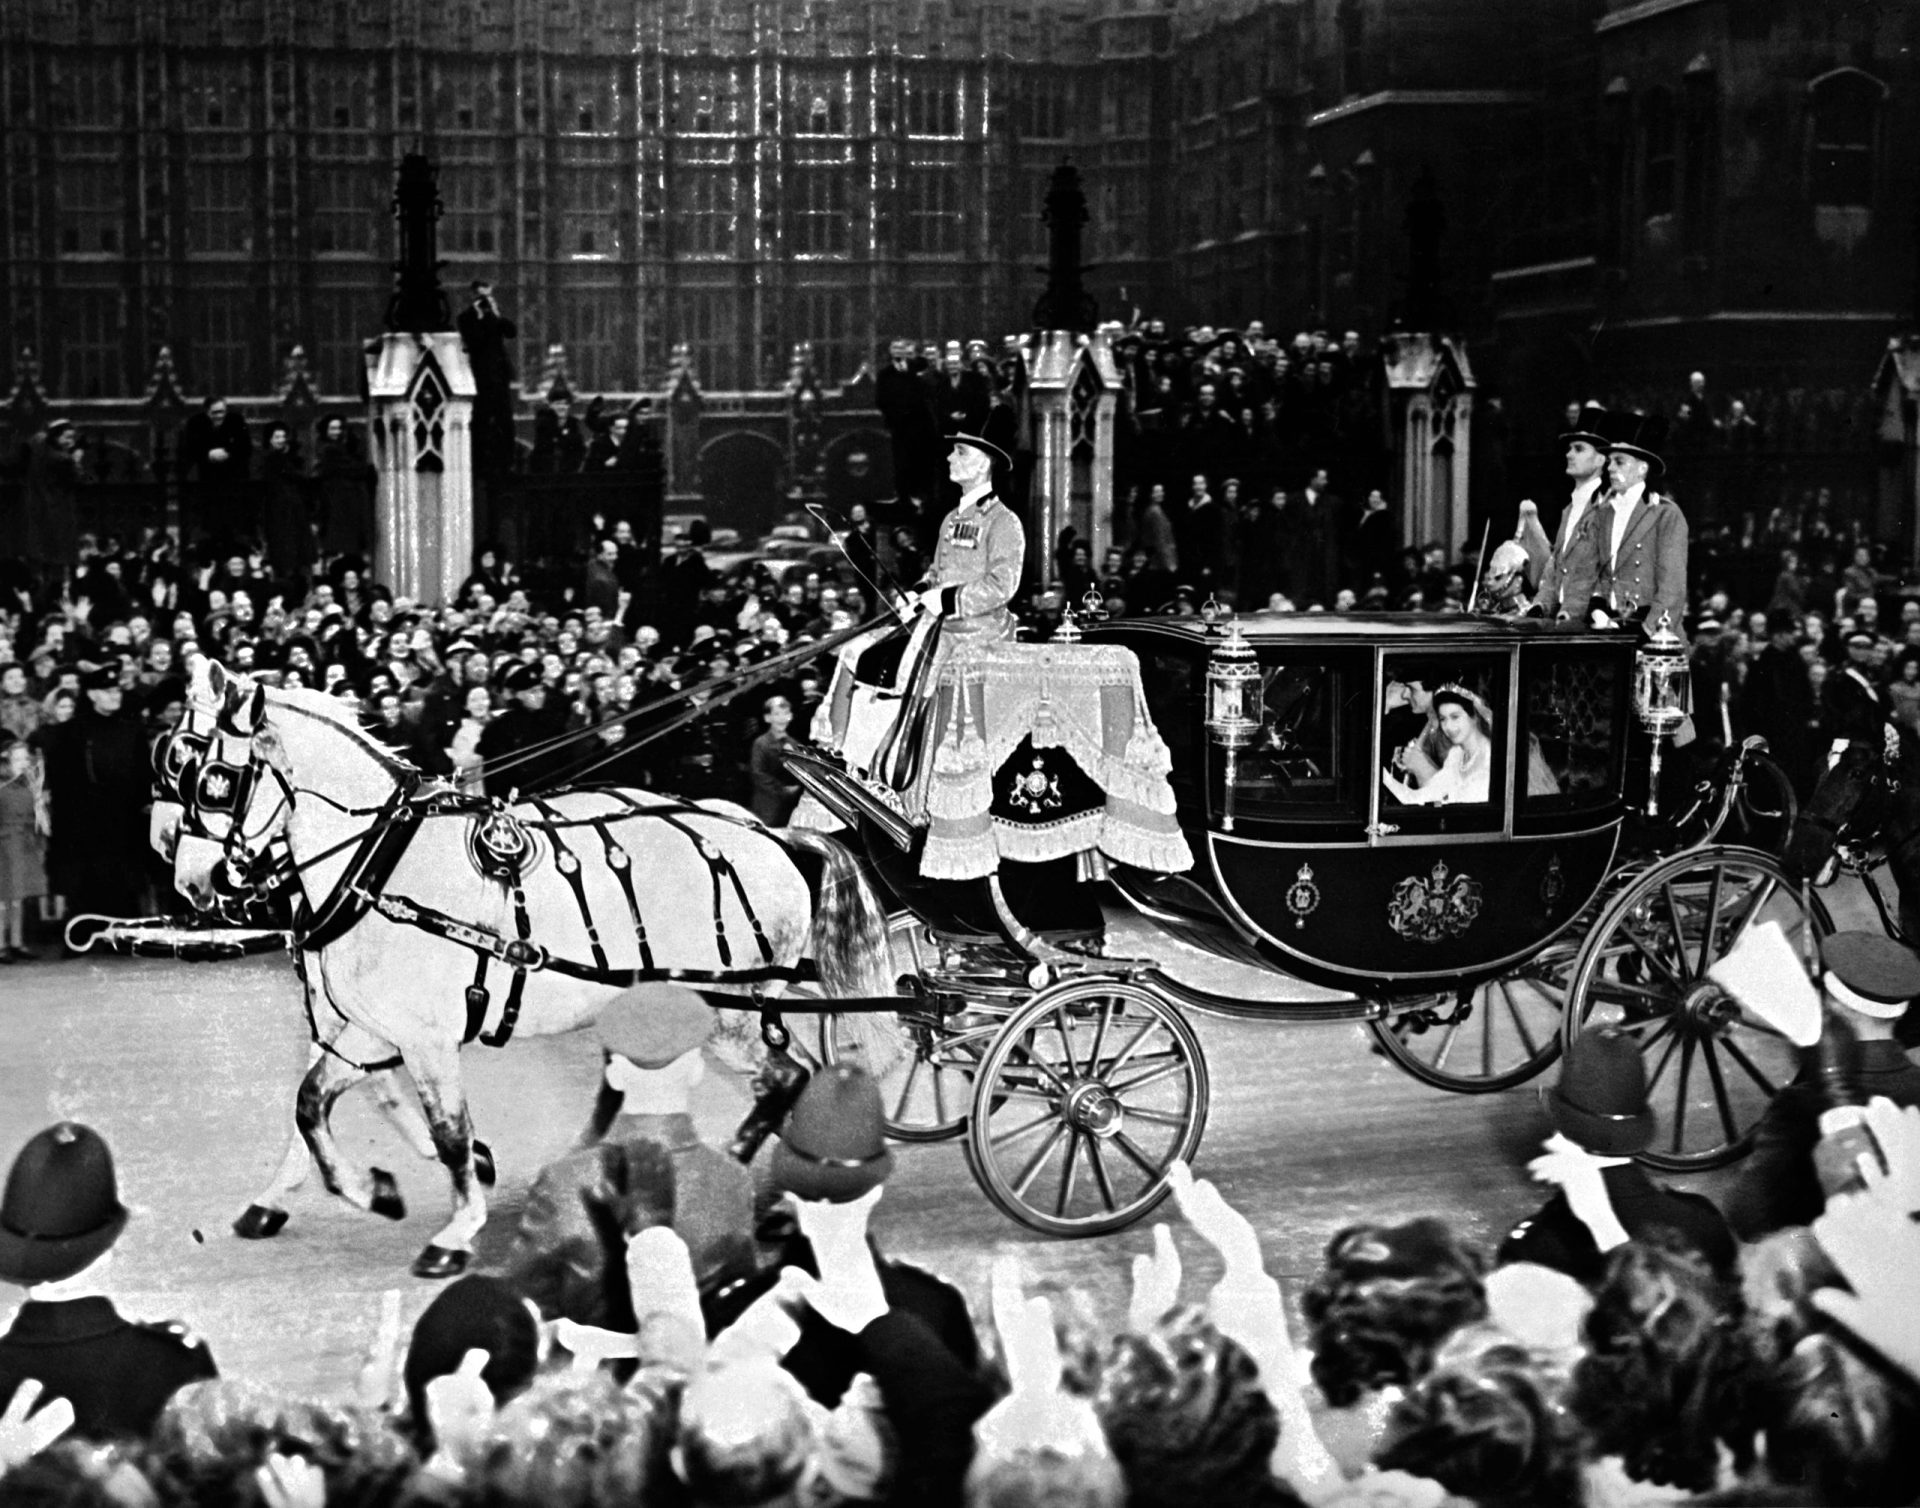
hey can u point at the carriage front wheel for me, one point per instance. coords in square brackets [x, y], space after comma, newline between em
[1091, 1090]
[1712, 1068]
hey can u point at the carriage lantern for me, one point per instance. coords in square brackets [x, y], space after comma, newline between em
[1662, 695]
[1233, 704]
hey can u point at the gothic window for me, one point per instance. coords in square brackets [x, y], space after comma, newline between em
[1844, 107]
[706, 100]
[820, 216]
[586, 104]
[464, 98]
[86, 92]
[933, 105]
[470, 218]
[220, 351]
[932, 200]
[1045, 105]
[429, 417]
[708, 321]
[340, 97]
[1657, 173]
[592, 322]
[818, 105]
[707, 210]
[1353, 47]
[91, 193]
[343, 318]
[824, 316]
[216, 94]
[221, 197]
[92, 332]
[587, 202]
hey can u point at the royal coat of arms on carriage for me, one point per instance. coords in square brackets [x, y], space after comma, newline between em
[1034, 791]
[1432, 907]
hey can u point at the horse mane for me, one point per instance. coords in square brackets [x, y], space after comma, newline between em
[330, 709]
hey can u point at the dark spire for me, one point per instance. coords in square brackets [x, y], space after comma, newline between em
[419, 304]
[1066, 305]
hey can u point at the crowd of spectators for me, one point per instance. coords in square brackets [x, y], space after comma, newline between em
[644, 1341]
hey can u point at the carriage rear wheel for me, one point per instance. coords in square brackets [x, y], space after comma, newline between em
[1091, 1090]
[1490, 1037]
[923, 1061]
[1712, 1069]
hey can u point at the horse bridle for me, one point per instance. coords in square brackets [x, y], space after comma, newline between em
[211, 772]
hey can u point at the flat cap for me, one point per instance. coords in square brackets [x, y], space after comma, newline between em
[652, 1025]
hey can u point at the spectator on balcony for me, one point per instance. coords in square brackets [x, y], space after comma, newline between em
[486, 332]
[342, 492]
[559, 438]
[961, 397]
[216, 457]
[907, 407]
[285, 501]
[611, 448]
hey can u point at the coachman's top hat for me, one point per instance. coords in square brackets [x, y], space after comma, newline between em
[1601, 1099]
[1588, 427]
[834, 1145]
[62, 1206]
[1638, 434]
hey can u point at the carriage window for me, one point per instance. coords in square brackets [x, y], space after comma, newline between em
[1307, 760]
[1573, 709]
[1443, 742]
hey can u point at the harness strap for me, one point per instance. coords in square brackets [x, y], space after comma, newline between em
[568, 863]
[621, 865]
[517, 986]
[476, 998]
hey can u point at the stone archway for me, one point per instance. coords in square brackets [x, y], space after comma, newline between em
[741, 474]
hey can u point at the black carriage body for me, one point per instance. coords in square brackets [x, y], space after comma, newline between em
[1324, 875]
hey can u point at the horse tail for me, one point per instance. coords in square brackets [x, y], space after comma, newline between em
[848, 943]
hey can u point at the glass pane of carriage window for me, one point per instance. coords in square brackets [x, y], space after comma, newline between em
[1307, 763]
[1573, 708]
[1443, 742]
[1175, 687]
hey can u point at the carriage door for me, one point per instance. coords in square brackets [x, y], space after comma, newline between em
[1446, 734]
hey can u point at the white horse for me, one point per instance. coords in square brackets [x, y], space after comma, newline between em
[423, 927]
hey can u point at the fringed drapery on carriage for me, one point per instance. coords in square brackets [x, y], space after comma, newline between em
[1041, 751]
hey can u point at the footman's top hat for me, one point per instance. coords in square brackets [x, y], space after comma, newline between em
[1588, 427]
[62, 1206]
[652, 1025]
[1601, 1099]
[834, 1145]
[986, 448]
[1639, 435]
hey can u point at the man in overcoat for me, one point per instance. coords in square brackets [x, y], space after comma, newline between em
[1641, 535]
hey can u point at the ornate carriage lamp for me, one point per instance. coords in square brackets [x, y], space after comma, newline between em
[1662, 695]
[1234, 707]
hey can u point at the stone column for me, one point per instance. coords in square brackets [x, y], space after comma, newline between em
[420, 420]
[1430, 389]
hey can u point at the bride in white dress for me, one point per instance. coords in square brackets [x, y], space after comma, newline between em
[1466, 775]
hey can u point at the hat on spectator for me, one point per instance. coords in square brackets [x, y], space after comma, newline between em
[652, 1025]
[58, 427]
[1871, 973]
[1588, 427]
[102, 678]
[1708, 624]
[1640, 435]
[62, 1206]
[701, 633]
[1601, 1099]
[834, 1145]
[1864, 636]
[1782, 620]
[521, 678]
[986, 447]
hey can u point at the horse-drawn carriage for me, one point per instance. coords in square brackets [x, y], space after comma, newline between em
[1473, 937]
[1238, 785]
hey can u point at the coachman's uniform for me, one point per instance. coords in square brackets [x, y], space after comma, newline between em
[117, 1374]
[977, 565]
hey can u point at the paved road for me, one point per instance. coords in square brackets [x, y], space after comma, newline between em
[189, 1071]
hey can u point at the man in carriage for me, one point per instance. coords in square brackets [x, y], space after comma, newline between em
[998, 750]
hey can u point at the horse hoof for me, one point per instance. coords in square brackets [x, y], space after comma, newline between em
[257, 1223]
[483, 1162]
[441, 1262]
[387, 1202]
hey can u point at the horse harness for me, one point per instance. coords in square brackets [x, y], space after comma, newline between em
[501, 847]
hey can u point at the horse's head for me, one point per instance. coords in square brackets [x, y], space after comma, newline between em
[223, 771]
[1846, 802]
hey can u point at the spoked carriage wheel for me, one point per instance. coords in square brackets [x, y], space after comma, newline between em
[1498, 1034]
[924, 1063]
[1089, 1092]
[1711, 1068]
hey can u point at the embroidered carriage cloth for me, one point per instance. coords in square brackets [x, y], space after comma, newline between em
[1041, 751]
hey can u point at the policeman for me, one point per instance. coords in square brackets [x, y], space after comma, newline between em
[525, 724]
[59, 1219]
